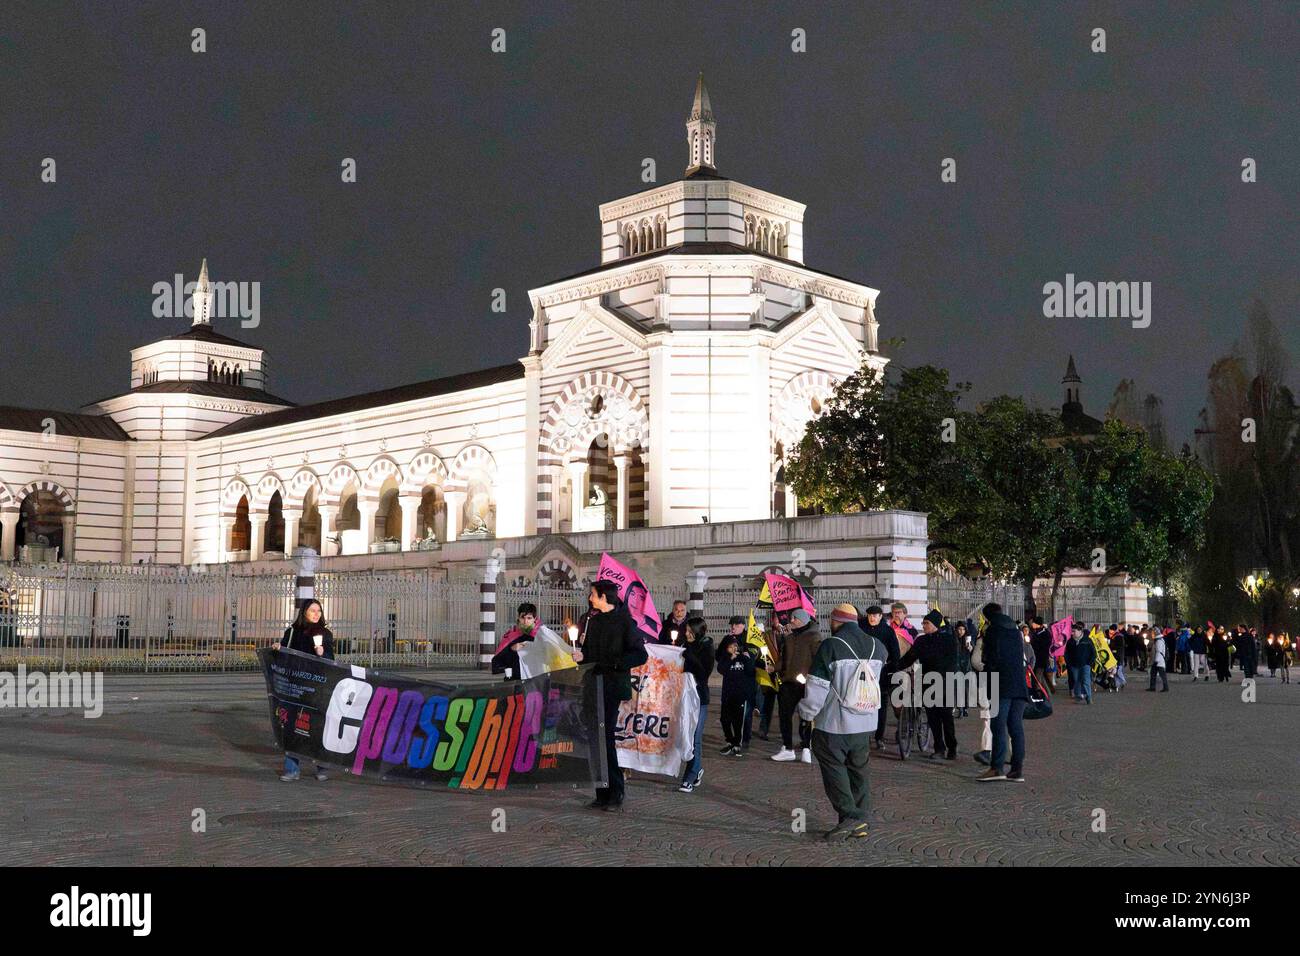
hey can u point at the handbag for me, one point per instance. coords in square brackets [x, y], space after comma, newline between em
[1040, 701]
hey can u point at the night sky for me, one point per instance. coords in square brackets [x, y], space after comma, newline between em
[479, 170]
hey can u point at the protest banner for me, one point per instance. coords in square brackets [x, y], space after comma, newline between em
[656, 728]
[633, 592]
[785, 594]
[1060, 634]
[466, 736]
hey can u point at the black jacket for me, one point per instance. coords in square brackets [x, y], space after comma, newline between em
[937, 652]
[886, 636]
[506, 660]
[738, 680]
[301, 640]
[666, 632]
[697, 660]
[1080, 651]
[1004, 653]
[613, 645]
[1041, 641]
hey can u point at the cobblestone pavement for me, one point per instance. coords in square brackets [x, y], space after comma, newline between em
[1194, 776]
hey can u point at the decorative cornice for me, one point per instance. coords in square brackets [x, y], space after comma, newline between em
[607, 283]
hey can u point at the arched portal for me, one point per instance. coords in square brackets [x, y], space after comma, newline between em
[273, 537]
[241, 531]
[40, 522]
[431, 516]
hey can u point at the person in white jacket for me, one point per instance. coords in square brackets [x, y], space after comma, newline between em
[1158, 664]
[842, 700]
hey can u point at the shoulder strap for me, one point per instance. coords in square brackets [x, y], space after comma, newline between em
[870, 654]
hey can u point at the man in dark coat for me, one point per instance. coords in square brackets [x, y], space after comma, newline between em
[1004, 655]
[674, 626]
[613, 646]
[936, 649]
[873, 623]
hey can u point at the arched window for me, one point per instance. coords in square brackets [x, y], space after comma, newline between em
[273, 535]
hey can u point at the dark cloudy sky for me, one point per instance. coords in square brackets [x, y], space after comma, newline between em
[479, 170]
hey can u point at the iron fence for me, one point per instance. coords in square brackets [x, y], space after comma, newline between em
[170, 617]
[1092, 605]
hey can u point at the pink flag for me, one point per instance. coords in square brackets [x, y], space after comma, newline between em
[787, 594]
[1060, 634]
[633, 592]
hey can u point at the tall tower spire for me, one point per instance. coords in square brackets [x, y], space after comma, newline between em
[201, 297]
[1071, 383]
[701, 132]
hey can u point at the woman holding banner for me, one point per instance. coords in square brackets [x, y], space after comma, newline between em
[307, 635]
[614, 646]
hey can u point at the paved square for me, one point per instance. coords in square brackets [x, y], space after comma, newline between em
[1194, 776]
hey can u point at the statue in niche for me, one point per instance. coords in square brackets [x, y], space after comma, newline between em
[598, 497]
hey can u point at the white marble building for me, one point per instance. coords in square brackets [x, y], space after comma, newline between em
[665, 385]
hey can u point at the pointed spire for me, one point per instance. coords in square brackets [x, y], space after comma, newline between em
[201, 297]
[702, 109]
[1071, 373]
[701, 132]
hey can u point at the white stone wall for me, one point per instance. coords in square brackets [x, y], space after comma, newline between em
[90, 472]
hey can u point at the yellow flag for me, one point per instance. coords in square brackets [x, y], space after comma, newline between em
[755, 638]
[764, 597]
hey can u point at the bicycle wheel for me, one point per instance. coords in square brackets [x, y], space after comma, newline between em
[922, 732]
[904, 731]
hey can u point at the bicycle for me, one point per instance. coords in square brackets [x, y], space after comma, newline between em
[910, 725]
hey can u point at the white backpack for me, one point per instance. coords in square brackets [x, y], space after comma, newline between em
[862, 697]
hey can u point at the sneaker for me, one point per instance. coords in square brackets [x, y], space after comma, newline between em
[1015, 777]
[726, 751]
[860, 830]
[613, 807]
[688, 786]
[699, 778]
[737, 752]
[840, 831]
[784, 755]
[950, 755]
[289, 777]
[322, 776]
[989, 775]
[984, 756]
[806, 755]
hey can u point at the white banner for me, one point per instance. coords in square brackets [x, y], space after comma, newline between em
[656, 728]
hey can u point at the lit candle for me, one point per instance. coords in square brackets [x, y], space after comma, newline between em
[573, 634]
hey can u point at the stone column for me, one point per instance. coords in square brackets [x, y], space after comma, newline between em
[256, 525]
[487, 609]
[455, 508]
[621, 464]
[410, 505]
[367, 510]
[69, 537]
[223, 545]
[305, 585]
[291, 520]
[791, 505]
[327, 513]
[8, 534]
[578, 498]
[695, 583]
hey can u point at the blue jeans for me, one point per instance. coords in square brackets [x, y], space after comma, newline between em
[291, 765]
[693, 768]
[1082, 680]
[1009, 720]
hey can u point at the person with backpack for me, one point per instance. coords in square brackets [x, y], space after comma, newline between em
[936, 649]
[843, 698]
